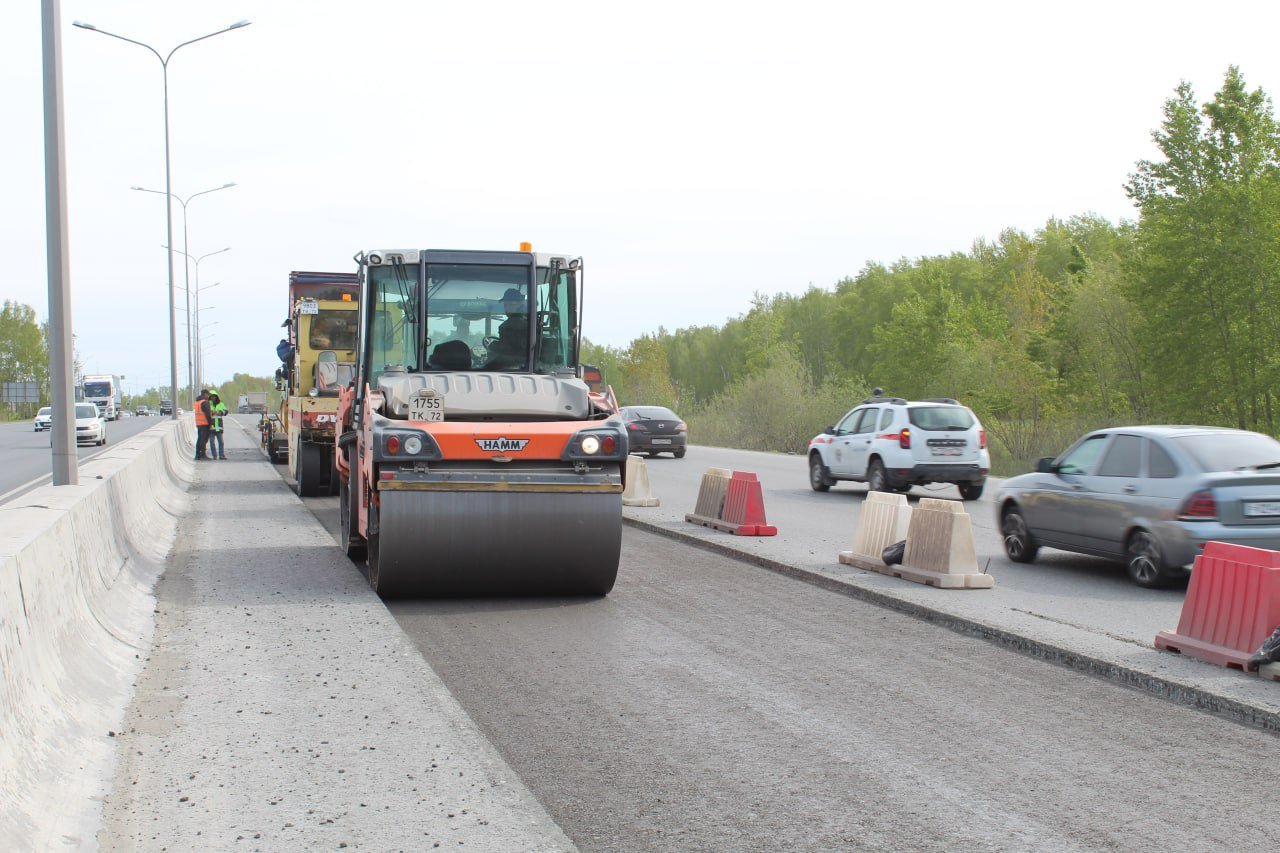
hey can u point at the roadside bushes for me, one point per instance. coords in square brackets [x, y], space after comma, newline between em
[777, 409]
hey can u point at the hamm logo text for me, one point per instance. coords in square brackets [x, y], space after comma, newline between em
[502, 445]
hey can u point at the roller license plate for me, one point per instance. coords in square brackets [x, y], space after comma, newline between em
[1262, 509]
[427, 406]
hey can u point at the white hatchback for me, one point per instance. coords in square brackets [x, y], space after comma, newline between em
[892, 444]
[41, 421]
[90, 427]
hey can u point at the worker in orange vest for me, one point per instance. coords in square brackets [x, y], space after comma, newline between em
[204, 417]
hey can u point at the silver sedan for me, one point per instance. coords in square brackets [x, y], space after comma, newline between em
[1150, 496]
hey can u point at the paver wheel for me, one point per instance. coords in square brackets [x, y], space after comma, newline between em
[308, 473]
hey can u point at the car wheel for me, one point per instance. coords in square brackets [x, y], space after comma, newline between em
[679, 454]
[819, 476]
[970, 491]
[1145, 561]
[1018, 543]
[876, 479]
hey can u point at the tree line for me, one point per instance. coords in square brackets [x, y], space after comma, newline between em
[1174, 317]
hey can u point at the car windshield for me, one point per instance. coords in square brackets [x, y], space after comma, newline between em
[97, 389]
[86, 411]
[45, 411]
[1230, 451]
[939, 418]
[654, 413]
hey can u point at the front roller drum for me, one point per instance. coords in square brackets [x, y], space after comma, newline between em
[456, 544]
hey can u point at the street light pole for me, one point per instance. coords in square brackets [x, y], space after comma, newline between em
[168, 186]
[62, 433]
[193, 318]
[200, 324]
[186, 273]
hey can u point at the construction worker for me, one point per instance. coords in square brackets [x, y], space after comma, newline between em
[218, 409]
[204, 417]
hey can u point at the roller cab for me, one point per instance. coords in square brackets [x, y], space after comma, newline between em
[473, 458]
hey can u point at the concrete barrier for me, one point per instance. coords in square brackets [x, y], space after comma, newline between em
[77, 566]
[638, 491]
[881, 522]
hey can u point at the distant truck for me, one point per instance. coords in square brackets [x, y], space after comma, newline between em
[104, 391]
[253, 402]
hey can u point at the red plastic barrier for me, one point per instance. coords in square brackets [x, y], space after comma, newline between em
[1232, 605]
[743, 513]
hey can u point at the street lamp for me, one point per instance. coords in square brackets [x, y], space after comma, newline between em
[193, 318]
[186, 267]
[201, 343]
[168, 186]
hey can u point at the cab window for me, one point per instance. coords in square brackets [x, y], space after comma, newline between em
[393, 331]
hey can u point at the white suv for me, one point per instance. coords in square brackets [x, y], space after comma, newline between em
[893, 444]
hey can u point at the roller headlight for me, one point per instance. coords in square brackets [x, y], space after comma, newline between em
[413, 445]
[597, 443]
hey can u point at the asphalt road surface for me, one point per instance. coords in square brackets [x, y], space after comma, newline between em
[28, 458]
[709, 704]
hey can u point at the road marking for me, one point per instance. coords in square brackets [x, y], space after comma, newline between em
[44, 479]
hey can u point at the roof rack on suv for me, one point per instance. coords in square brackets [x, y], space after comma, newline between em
[898, 401]
[940, 400]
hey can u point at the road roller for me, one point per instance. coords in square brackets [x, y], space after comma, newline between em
[473, 459]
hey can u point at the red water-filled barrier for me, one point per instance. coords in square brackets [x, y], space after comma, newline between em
[1232, 605]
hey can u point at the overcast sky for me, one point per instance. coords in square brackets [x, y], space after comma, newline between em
[692, 153]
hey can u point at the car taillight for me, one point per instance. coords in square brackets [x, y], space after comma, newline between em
[1201, 506]
[393, 444]
[634, 426]
[609, 444]
[982, 439]
[683, 427]
[904, 438]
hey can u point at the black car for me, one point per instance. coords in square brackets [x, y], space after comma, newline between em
[166, 408]
[654, 430]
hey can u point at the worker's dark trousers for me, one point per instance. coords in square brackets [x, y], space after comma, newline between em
[202, 438]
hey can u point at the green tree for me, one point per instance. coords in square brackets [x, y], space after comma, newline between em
[24, 357]
[1204, 277]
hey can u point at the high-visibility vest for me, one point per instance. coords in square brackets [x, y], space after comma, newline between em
[218, 411]
[201, 418]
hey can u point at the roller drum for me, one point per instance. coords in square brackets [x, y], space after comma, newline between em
[452, 544]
